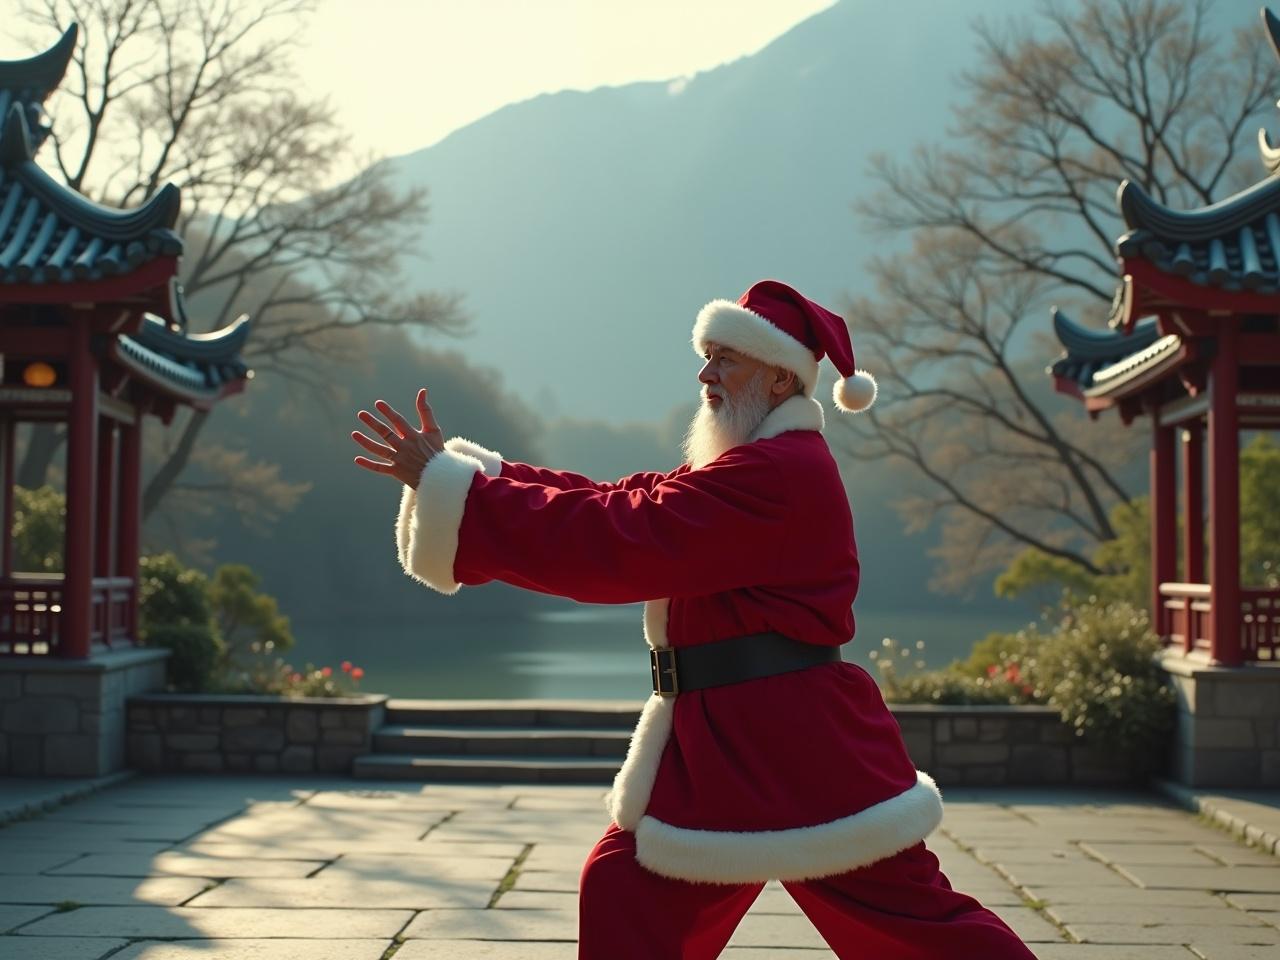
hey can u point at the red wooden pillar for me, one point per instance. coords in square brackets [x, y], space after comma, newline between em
[1224, 500]
[1193, 503]
[129, 516]
[1164, 521]
[104, 559]
[82, 458]
[6, 545]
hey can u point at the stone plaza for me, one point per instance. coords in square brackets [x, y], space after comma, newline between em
[279, 868]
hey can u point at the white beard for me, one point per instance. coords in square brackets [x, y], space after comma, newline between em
[715, 430]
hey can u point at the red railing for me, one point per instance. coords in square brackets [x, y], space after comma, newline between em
[1186, 624]
[109, 619]
[31, 613]
[1186, 616]
[1260, 624]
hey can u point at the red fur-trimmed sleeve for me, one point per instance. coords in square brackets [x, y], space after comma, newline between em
[694, 532]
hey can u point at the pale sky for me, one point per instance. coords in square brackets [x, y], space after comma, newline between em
[405, 73]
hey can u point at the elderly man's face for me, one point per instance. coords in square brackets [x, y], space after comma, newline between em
[738, 391]
[725, 374]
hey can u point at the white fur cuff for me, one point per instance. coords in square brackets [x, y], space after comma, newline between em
[429, 520]
[803, 853]
[491, 459]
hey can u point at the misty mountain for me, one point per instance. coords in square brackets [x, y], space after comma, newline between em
[587, 229]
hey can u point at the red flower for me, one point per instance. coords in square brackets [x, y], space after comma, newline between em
[327, 672]
[992, 670]
[1012, 674]
[356, 673]
[346, 666]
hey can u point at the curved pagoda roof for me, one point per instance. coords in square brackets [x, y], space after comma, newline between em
[1233, 244]
[196, 368]
[27, 83]
[52, 234]
[1096, 354]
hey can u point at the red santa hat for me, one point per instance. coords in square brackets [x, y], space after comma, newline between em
[774, 323]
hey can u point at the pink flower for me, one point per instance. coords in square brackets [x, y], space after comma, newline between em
[327, 672]
[346, 666]
[295, 677]
[992, 670]
[356, 673]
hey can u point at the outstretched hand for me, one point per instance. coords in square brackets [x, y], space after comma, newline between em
[409, 450]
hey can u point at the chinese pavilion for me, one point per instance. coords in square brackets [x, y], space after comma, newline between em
[1194, 343]
[93, 333]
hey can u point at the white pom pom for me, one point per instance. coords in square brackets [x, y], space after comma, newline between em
[855, 394]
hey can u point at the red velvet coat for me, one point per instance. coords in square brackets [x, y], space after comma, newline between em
[786, 777]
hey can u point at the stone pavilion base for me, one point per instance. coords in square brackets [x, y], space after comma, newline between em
[1228, 723]
[66, 718]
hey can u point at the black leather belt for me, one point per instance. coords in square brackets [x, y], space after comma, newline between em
[734, 660]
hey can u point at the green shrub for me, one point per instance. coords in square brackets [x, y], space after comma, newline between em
[1096, 667]
[174, 614]
[196, 651]
[249, 622]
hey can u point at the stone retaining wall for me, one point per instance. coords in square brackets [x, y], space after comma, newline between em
[982, 746]
[251, 734]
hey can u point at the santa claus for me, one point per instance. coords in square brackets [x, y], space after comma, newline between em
[762, 755]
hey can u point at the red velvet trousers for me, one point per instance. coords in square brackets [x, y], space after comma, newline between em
[900, 908]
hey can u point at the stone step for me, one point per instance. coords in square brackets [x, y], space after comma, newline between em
[595, 715]
[511, 741]
[491, 769]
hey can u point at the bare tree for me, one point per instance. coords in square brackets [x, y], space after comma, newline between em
[282, 218]
[1015, 211]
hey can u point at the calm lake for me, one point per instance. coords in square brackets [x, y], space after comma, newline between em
[582, 651]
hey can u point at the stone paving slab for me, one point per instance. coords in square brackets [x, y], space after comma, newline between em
[277, 948]
[41, 831]
[784, 931]
[1231, 952]
[1075, 951]
[1237, 855]
[365, 893]
[1221, 915]
[13, 915]
[493, 925]
[231, 924]
[74, 846]
[1253, 901]
[486, 950]
[25, 796]
[1253, 815]
[1028, 924]
[548, 881]
[165, 891]
[189, 865]
[29, 862]
[1232, 879]
[415, 867]
[57, 948]
[1115, 933]
[1142, 854]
